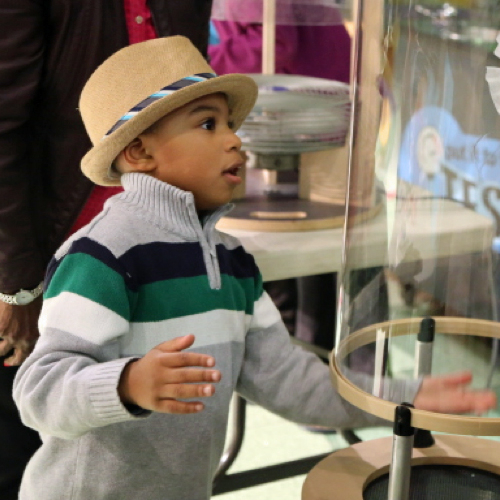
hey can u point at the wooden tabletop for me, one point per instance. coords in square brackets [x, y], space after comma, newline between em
[437, 228]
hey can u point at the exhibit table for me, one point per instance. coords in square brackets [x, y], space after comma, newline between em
[451, 230]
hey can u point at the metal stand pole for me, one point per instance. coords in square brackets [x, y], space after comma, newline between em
[402, 445]
[424, 347]
[423, 366]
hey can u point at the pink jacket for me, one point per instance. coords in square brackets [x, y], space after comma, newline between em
[319, 51]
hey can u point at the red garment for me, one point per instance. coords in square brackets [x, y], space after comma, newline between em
[139, 21]
[140, 28]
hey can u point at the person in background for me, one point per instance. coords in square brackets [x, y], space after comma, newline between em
[47, 52]
[317, 50]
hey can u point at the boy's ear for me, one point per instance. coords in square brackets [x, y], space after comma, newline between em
[137, 158]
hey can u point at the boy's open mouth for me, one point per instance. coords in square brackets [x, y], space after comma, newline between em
[231, 174]
[235, 170]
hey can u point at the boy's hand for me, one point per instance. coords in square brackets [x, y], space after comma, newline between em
[449, 394]
[164, 374]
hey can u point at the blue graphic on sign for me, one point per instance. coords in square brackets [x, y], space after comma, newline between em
[437, 155]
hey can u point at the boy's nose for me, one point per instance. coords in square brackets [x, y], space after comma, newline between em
[234, 142]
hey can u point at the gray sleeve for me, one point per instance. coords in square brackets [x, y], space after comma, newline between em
[68, 386]
[296, 384]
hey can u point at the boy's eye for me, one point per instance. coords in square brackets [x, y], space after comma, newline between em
[209, 124]
[230, 124]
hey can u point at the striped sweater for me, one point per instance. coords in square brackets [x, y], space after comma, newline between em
[144, 271]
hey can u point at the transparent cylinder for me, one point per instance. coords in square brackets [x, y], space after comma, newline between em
[423, 214]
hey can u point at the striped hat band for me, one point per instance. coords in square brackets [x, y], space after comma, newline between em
[169, 89]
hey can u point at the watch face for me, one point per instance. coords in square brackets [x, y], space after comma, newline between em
[23, 298]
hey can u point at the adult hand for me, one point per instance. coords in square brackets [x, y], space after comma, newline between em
[164, 374]
[450, 394]
[18, 330]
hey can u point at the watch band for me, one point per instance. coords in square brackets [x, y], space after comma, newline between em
[23, 297]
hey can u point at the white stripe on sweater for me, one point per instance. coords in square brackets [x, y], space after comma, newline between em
[97, 324]
[206, 327]
[265, 313]
[82, 317]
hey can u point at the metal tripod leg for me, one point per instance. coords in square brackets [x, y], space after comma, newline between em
[231, 452]
[224, 483]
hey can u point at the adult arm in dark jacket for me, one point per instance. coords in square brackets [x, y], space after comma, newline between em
[48, 49]
[21, 63]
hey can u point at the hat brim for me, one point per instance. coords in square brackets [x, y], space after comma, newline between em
[240, 90]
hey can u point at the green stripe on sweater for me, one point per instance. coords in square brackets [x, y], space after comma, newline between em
[87, 276]
[185, 296]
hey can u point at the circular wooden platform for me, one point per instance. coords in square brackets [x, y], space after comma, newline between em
[288, 214]
[345, 474]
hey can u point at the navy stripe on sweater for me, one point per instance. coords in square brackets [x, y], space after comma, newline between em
[94, 249]
[152, 262]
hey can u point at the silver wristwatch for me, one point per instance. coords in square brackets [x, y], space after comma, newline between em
[23, 297]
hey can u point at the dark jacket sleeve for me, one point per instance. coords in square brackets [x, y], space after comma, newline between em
[21, 56]
[189, 18]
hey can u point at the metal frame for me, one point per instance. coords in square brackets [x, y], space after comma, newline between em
[224, 482]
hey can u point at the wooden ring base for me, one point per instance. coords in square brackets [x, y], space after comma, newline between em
[345, 474]
[452, 424]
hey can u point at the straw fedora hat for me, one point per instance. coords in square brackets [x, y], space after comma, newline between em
[142, 83]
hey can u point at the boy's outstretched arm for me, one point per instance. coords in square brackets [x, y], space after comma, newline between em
[165, 373]
[296, 385]
[450, 394]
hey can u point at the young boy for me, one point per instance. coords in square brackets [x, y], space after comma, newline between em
[148, 309]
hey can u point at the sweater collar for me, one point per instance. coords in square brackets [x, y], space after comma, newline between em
[167, 206]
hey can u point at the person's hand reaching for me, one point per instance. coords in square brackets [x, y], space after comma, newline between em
[451, 394]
